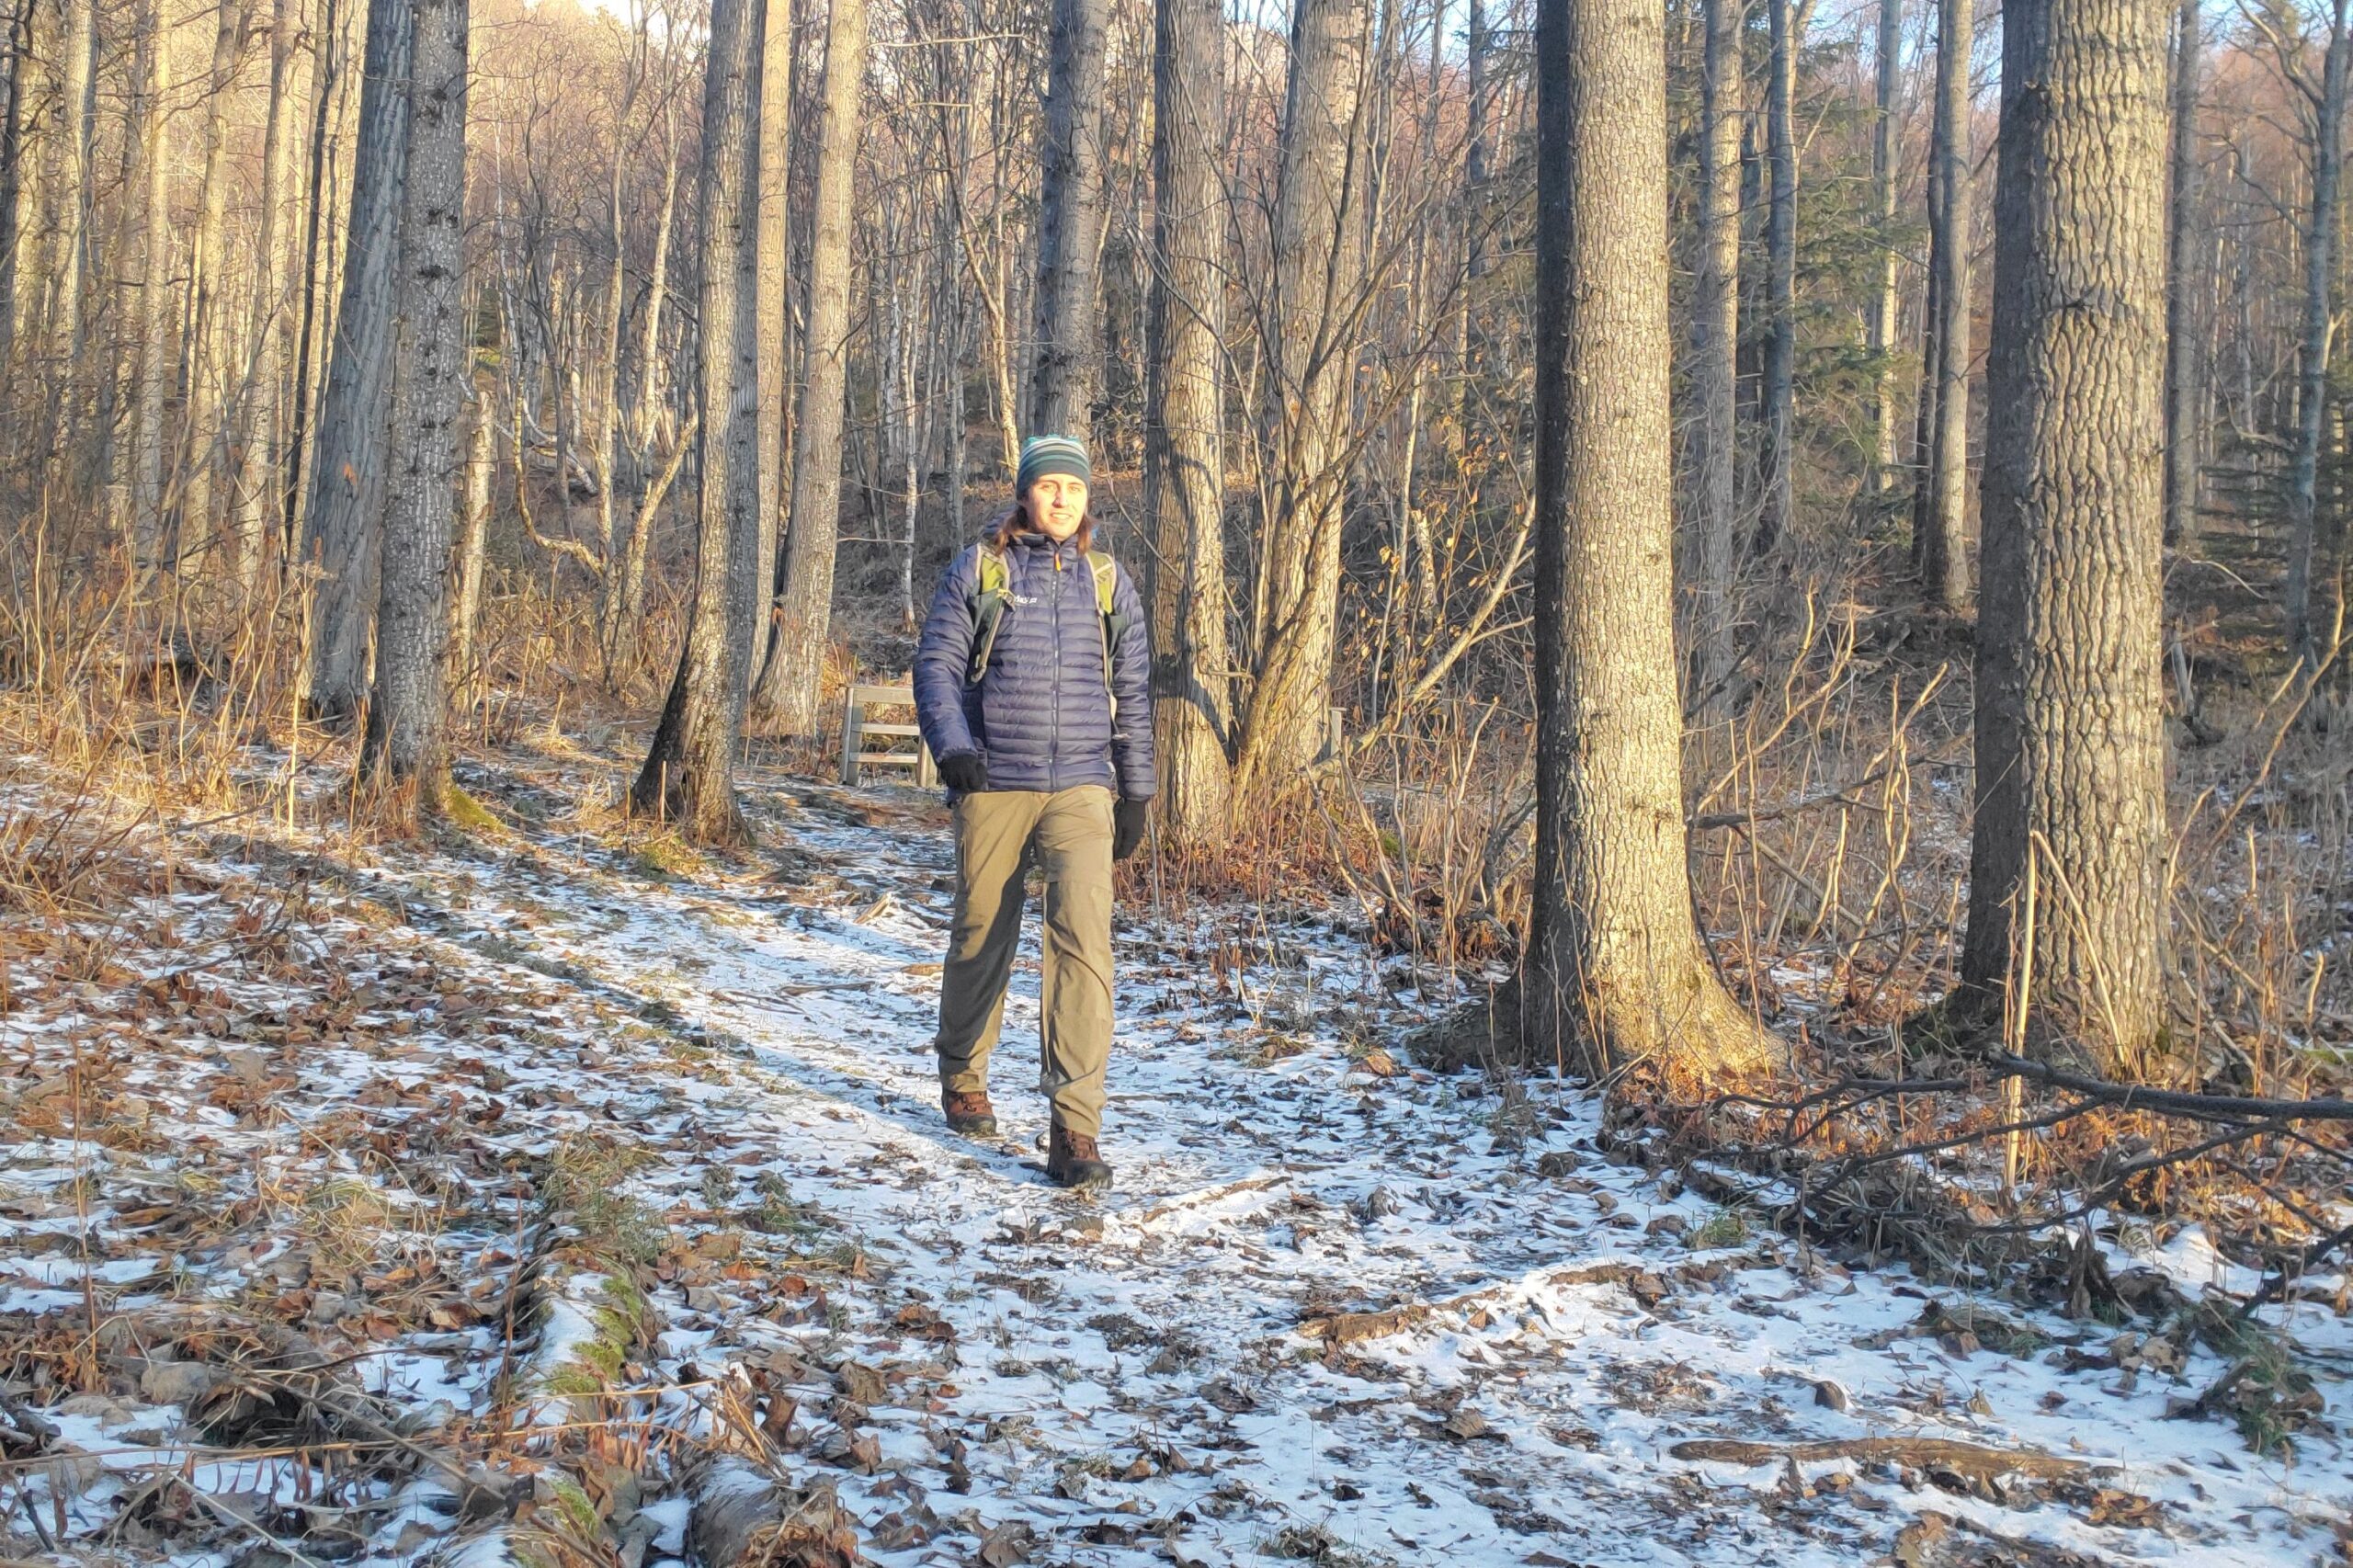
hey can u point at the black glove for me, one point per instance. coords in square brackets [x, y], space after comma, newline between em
[966, 773]
[1129, 819]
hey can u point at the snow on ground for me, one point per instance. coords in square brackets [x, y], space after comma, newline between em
[985, 1368]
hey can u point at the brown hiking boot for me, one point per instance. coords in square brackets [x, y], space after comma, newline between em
[1074, 1161]
[970, 1115]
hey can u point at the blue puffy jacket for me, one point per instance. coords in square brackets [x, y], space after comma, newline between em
[1039, 716]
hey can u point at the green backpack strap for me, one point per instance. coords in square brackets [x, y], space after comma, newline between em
[989, 599]
[993, 591]
[1115, 625]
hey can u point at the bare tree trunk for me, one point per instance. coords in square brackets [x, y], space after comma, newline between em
[2312, 381]
[1884, 129]
[603, 411]
[796, 658]
[1615, 972]
[473, 533]
[641, 527]
[1715, 350]
[602, 414]
[154, 296]
[326, 73]
[254, 447]
[2070, 743]
[205, 437]
[775, 312]
[341, 533]
[690, 772]
[73, 172]
[37, 91]
[1319, 267]
[1944, 548]
[2183, 394]
[408, 710]
[1070, 203]
[1475, 43]
[1184, 420]
[12, 155]
[1779, 394]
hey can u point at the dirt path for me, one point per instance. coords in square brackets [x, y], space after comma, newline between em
[689, 1125]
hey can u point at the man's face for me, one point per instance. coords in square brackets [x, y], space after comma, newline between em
[1058, 505]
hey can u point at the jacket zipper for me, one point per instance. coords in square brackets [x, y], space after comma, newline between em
[1054, 734]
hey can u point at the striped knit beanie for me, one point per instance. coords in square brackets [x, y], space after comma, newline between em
[1042, 455]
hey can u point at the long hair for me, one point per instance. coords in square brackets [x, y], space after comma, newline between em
[1015, 519]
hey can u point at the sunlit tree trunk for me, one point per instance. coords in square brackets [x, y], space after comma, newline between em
[1614, 971]
[1778, 394]
[1184, 420]
[1944, 546]
[2070, 741]
[1884, 130]
[2184, 395]
[2312, 381]
[773, 304]
[204, 439]
[155, 365]
[70, 239]
[639, 545]
[407, 710]
[690, 772]
[473, 533]
[341, 534]
[255, 445]
[796, 658]
[1070, 207]
[12, 183]
[327, 65]
[1715, 349]
[1310, 366]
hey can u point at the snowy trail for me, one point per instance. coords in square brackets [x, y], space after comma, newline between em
[1532, 1426]
[989, 1369]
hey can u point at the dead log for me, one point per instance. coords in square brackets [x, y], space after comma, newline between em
[1352, 1328]
[1967, 1460]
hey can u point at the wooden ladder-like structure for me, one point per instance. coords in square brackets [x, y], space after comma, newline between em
[858, 731]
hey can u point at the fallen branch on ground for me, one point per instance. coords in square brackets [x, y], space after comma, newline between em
[1969, 1459]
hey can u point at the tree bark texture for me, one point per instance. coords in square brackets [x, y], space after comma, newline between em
[1885, 127]
[689, 771]
[2070, 746]
[1614, 971]
[796, 659]
[773, 303]
[2312, 381]
[341, 535]
[254, 447]
[1184, 421]
[1715, 349]
[1310, 369]
[155, 362]
[1070, 219]
[204, 439]
[1777, 512]
[70, 240]
[1944, 547]
[12, 182]
[473, 533]
[639, 549]
[407, 710]
[2184, 395]
[327, 58]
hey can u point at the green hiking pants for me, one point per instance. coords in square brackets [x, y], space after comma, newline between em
[1000, 833]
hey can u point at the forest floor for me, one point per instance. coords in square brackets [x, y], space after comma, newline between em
[444, 1202]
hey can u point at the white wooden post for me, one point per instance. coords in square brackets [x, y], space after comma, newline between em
[851, 738]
